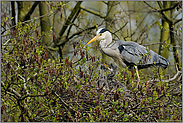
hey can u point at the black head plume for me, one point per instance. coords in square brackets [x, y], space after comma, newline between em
[104, 30]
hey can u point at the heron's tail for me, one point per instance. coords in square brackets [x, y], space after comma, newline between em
[154, 59]
[161, 61]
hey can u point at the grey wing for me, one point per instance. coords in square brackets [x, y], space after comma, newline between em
[135, 54]
[132, 52]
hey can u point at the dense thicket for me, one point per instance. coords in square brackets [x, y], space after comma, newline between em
[48, 73]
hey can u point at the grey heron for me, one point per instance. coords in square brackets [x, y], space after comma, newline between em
[128, 53]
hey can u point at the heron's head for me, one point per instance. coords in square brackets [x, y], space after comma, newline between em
[102, 33]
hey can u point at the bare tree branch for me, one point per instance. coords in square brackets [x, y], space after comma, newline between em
[13, 13]
[166, 18]
[73, 12]
[28, 114]
[77, 33]
[31, 10]
[92, 12]
[93, 27]
[177, 21]
[161, 7]
[72, 22]
[150, 6]
[171, 79]
[11, 90]
[36, 18]
[170, 8]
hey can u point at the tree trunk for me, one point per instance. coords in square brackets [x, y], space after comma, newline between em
[172, 41]
[167, 33]
[13, 13]
[164, 36]
[45, 28]
[75, 11]
[23, 9]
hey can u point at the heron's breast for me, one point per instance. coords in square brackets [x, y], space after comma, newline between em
[113, 53]
[120, 62]
[110, 52]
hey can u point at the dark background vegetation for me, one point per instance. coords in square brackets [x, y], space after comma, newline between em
[49, 74]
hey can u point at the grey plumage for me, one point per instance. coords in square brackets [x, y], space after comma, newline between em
[135, 54]
[128, 53]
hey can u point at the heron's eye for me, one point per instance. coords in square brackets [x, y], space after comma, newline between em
[100, 34]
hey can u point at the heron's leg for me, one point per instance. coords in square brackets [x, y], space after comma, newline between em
[136, 69]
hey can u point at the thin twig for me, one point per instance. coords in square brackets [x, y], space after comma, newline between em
[35, 18]
[92, 12]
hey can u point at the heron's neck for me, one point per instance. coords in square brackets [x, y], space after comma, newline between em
[106, 41]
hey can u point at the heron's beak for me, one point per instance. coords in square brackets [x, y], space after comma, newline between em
[95, 38]
[106, 65]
